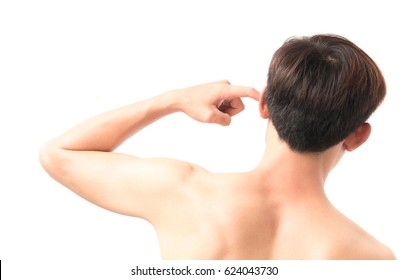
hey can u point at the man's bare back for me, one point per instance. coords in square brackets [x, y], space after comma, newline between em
[279, 209]
[235, 216]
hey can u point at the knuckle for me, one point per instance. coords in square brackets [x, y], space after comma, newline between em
[224, 82]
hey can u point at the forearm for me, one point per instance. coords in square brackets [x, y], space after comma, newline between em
[107, 131]
[211, 103]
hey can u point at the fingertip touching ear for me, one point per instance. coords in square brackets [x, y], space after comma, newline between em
[357, 137]
[264, 112]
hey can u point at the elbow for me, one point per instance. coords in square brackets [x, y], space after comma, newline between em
[45, 156]
[49, 159]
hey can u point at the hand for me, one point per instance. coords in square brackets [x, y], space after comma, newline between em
[215, 102]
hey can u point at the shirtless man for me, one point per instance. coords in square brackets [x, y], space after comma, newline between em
[319, 94]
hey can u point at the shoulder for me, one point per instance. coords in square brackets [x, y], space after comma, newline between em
[346, 240]
[370, 248]
[360, 245]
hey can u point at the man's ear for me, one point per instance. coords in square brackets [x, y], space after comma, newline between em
[264, 112]
[357, 137]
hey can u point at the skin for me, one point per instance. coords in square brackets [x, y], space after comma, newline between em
[278, 210]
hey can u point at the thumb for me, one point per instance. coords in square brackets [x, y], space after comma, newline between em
[220, 117]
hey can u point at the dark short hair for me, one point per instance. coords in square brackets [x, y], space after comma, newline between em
[320, 89]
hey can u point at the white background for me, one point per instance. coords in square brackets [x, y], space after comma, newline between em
[64, 61]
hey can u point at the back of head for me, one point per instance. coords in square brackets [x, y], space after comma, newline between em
[320, 89]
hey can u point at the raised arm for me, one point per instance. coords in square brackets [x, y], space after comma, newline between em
[83, 160]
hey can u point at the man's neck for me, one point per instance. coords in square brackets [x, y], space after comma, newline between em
[290, 175]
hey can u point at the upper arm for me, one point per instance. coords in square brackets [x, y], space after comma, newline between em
[118, 182]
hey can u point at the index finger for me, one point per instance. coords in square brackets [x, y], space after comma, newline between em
[241, 91]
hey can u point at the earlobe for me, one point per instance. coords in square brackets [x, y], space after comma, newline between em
[357, 138]
[264, 112]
